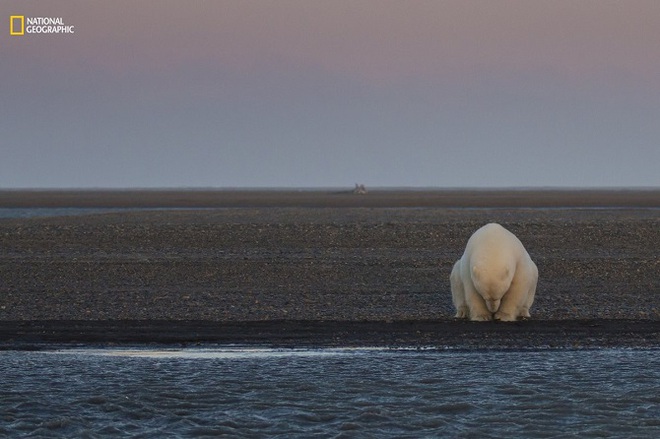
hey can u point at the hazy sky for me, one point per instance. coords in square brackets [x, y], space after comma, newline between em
[311, 93]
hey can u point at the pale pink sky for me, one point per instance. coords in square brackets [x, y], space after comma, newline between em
[462, 79]
[376, 40]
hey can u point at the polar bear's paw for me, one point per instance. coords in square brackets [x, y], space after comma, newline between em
[462, 313]
[505, 317]
[482, 317]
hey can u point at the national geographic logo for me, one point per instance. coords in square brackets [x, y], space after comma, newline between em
[16, 25]
[20, 25]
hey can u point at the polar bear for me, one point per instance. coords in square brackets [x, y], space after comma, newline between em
[495, 278]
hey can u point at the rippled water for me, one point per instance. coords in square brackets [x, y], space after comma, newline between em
[330, 393]
[36, 212]
[33, 212]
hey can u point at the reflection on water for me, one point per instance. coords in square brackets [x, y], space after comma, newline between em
[330, 393]
[34, 212]
[37, 212]
[223, 353]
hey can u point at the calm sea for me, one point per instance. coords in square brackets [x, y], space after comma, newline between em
[35, 212]
[255, 393]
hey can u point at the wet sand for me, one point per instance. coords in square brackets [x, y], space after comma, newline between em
[439, 334]
[326, 268]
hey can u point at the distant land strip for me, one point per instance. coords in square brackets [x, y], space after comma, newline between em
[317, 198]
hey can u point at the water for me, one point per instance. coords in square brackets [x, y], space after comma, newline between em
[36, 212]
[255, 393]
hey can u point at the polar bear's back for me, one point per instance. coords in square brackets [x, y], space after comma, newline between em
[493, 241]
[491, 257]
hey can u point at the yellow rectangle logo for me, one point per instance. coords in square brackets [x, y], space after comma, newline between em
[17, 30]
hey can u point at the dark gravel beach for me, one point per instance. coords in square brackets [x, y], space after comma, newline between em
[264, 269]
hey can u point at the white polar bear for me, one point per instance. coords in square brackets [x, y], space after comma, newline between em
[495, 277]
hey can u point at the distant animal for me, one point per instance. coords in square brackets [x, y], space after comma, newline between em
[359, 189]
[495, 278]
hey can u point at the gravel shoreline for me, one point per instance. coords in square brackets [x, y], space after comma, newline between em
[385, 265]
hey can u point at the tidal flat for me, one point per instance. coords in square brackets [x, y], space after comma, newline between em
[326, 268]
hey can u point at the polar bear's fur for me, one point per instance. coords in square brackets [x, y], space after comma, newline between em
[495, 278]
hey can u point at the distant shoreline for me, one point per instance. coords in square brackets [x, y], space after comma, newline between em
[333, 198]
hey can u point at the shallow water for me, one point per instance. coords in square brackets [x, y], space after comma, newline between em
[330, 393]
[35, 212]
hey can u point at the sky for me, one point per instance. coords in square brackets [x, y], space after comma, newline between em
[315, 93]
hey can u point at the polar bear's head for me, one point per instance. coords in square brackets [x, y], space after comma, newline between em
[492, 283]
[493, 305]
